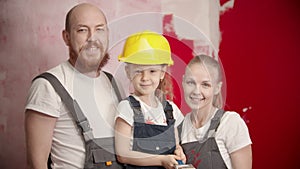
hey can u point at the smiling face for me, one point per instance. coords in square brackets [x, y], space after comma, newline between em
[87, 37]
[145, 78]
[200, 85]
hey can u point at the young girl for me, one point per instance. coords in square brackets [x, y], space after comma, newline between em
[146, 126]
[212, 139]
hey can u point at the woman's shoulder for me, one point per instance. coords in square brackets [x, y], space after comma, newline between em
[231, 115]
[232, 120]
[187, 120]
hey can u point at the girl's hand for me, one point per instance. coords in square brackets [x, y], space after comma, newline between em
[179, 152]
[169, 161]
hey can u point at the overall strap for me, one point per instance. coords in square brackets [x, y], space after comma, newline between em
[114, 85]
[214, 124]
[136, 107]
[215, 121]
[71, 104]
[168, 109]
[138, 115]
[179, 129]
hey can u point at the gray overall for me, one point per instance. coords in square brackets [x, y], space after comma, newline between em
[100, 152]
[153, 139]
[206, 154]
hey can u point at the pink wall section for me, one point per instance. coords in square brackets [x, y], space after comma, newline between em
[30, 40]
[30, 43]
[259, 52]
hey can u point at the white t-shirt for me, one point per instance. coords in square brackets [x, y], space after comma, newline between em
[232, 134]
[95, 97]
[152, 115]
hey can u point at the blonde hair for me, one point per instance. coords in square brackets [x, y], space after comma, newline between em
[213, 66]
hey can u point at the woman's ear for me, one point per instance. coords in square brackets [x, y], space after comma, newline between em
[218, 88]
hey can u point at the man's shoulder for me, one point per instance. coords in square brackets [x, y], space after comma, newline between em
[63, 66]
[62, 70]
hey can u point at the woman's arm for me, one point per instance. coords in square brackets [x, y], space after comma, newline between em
[127, 156]
[242, 158]
[39, 131]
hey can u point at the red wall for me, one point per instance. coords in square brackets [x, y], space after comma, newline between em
[260, 54]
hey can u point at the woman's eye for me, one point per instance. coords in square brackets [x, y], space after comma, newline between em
[206, 85]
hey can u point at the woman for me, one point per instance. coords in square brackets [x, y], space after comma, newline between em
[212, 138]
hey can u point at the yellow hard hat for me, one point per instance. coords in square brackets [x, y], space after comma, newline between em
[146, 48]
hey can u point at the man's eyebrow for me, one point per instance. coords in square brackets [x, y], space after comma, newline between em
[101, 25]
[81, 25]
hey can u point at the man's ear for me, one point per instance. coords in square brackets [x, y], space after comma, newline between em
[66, 37]
[218, 88]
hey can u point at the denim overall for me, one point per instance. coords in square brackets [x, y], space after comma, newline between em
[152, 139]
[205, 154]
[100, 152]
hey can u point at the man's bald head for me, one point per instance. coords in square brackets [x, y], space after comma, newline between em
[78, 10]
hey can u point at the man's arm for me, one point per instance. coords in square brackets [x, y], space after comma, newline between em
[39, 131]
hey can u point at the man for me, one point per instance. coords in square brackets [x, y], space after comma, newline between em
[50, 127]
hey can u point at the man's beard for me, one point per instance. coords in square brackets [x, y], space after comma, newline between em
[104, 61]
[101, 64]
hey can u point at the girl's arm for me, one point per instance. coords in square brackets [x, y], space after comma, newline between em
[179, 151]
[242, 158]
[127, 156]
